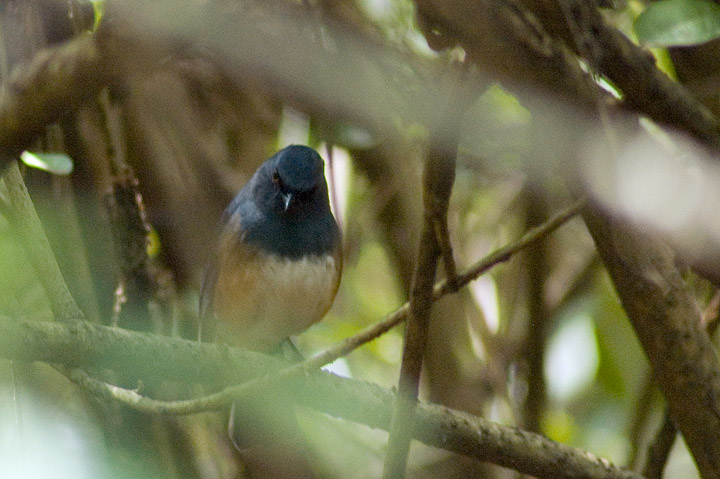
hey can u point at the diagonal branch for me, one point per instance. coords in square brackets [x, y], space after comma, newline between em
[646, 90]
[668, 323]
[26, 224]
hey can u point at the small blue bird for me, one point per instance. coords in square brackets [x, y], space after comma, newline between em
[275, 271]
[277, 265]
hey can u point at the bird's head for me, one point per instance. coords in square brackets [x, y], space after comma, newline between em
[293, 182]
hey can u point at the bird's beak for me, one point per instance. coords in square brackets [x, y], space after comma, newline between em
[287, 200]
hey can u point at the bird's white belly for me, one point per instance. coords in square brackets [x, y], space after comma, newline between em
[289, 296]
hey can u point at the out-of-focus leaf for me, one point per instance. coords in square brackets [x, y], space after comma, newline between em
[678, 22]
[98, 10]
[153, 244]
[56, 163]
[20, 292]
[572, 357]
[558, 425]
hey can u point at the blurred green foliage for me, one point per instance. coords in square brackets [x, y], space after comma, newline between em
[678, 22]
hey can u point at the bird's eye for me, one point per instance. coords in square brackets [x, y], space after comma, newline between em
[276, 178]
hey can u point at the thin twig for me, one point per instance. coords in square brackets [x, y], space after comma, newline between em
[659, 449]
[442, 236]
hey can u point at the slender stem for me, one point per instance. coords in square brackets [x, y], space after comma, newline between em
[27, 225]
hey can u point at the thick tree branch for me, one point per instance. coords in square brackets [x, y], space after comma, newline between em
[155, 359]
[57, 81]
[668, 324]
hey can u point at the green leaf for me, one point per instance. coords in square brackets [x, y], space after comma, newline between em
[56, 163]
[678, 22]
[98, 11]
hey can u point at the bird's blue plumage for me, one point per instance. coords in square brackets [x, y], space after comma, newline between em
[307, 227]
[274, 271]
[277, 266]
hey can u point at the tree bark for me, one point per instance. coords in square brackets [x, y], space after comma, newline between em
[668, 324]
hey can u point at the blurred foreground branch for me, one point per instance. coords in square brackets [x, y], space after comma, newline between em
[56, 82]
[26, 225]
[155, 359]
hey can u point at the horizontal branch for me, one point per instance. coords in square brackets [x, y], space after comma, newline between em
[154, 359]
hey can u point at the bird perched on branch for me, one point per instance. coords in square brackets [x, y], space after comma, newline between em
[274, 273]
[277, 266]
